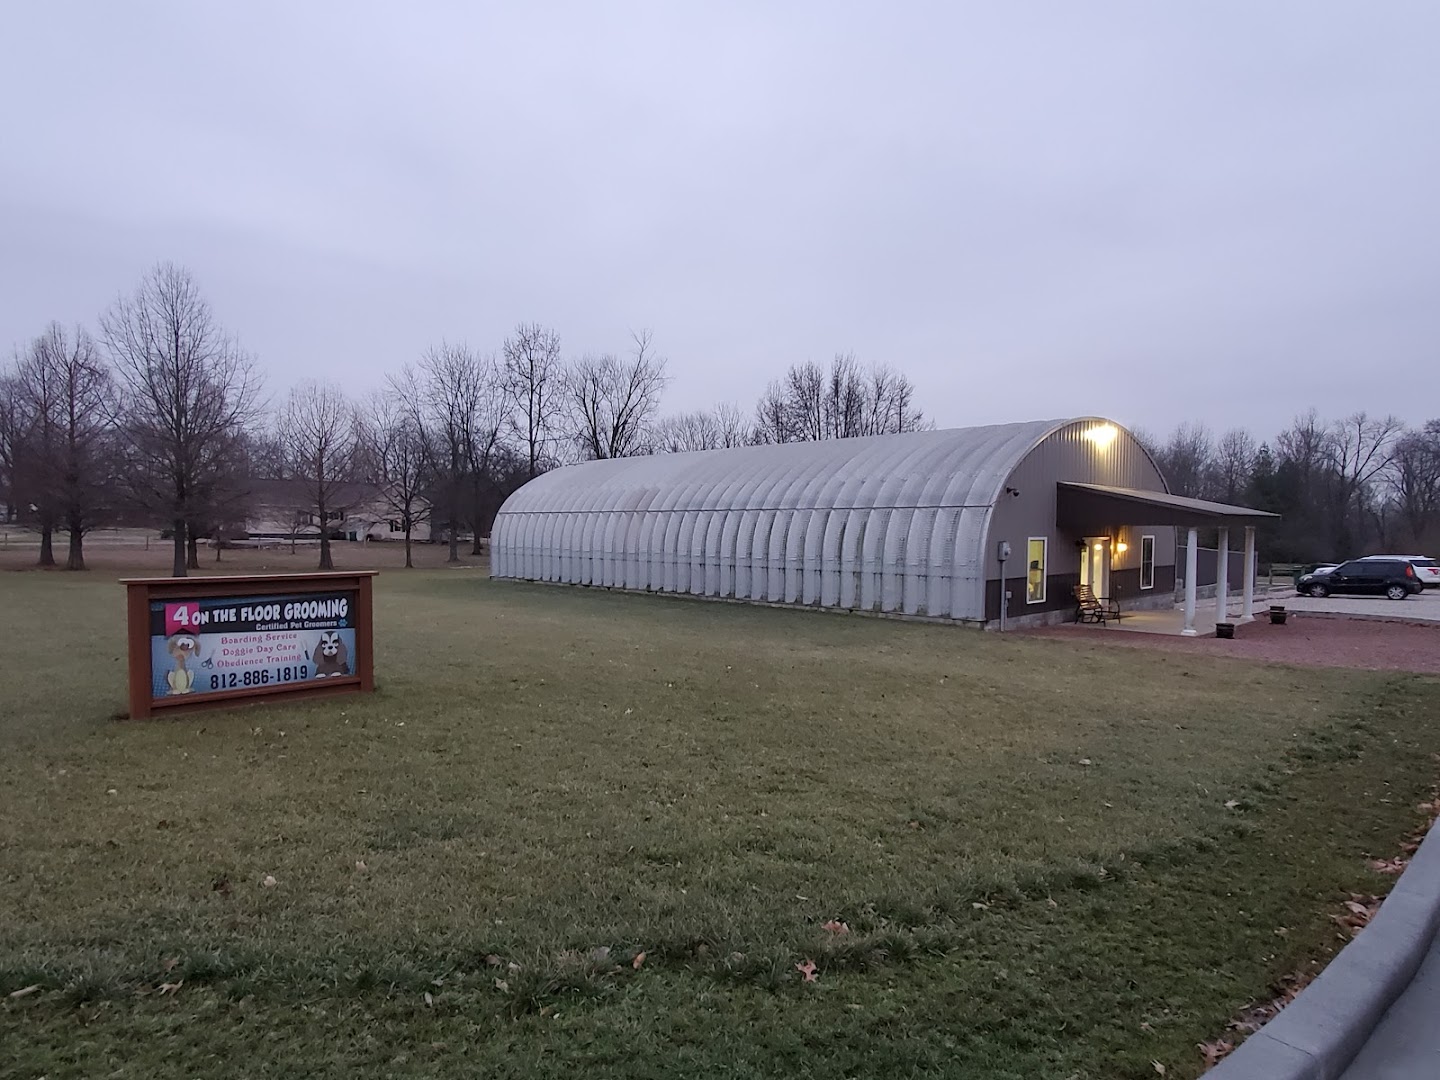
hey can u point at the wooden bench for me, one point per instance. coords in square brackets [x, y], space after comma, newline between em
[1092, 608]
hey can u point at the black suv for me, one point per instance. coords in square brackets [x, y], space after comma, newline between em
[1394, 578]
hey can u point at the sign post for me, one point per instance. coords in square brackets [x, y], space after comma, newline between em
[208, 641]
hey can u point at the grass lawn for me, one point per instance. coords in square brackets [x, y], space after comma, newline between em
[1053, 860]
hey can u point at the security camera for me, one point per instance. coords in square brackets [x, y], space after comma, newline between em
[1013, 491]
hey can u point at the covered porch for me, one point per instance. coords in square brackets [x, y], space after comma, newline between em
[1086, 509]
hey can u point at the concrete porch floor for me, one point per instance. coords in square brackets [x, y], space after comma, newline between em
[1172, 620]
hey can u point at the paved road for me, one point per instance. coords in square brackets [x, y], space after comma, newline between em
[1406, 1044]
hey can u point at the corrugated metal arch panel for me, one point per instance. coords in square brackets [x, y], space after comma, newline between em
[967, 583]
[892, 565]
[680, 550]
[779, 529]
[941, 563]
[727, 552]
[830, 559]
[500, 547]
[714, 529]
[760, 555]
[795, 555]
[813, 560]
[852, 545]
[744, 539]
[915, 594]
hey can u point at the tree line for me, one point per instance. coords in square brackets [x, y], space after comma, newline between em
[160, 418]
[1342, 487]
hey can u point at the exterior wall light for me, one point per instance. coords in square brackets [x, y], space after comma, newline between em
[1121, 548]
[1102, 435]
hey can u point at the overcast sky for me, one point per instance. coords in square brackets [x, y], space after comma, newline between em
[1151, 211]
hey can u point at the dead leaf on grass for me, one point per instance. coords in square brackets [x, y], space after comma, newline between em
[25, 991]
[835, 926]
[429, 998]
[638, 961]
[171, 987]
[808, 971]
[502, 986]
[1158, 1067]
[1214, 1052]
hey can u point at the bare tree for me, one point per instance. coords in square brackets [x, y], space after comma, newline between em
[846, 401]
[533, 375]
[1187, 459]
[35, 422]
[1412, 479]
[704, 429]
[455, 400]
[66, 391]
[12, 444]
[188, 394]
[772, 417]
[1359, 451]
[613, 401]
[890, 403]
[395, 452]
[318, 429]
[1234, 461]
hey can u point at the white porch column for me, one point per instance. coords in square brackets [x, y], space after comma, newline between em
[1247, 591]
[1222, 576]
[1191, 559]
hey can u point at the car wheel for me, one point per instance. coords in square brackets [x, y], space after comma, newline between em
[1319, 591]
[1397, 592]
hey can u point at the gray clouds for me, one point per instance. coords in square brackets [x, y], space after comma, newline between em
[1034, 210]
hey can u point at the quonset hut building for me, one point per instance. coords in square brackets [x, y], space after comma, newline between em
[913, 523]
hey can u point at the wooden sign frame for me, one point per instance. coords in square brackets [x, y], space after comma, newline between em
[149, 601]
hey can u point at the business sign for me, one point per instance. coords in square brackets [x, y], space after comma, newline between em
[202, 640]
[200, 646]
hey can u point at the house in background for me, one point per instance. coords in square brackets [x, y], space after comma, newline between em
[285, 510]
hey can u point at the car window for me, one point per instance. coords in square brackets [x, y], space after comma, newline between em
[1423, 562]
[1357, 566]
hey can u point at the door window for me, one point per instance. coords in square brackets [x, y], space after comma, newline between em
[1147, 562]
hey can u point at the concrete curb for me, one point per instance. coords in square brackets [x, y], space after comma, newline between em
[1317, 1035]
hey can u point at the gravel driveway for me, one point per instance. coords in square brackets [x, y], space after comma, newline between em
[1307, 640]
[1422, 608]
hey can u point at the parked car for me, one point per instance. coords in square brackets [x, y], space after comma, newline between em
[1394, 578]
[1426, 568]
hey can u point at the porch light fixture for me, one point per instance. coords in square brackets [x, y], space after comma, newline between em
[1102, 435]
[1121, 548]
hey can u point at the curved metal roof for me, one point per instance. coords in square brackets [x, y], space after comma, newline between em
[957, 467]
[886, 523]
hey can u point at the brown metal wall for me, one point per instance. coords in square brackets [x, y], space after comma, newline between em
[1069, 455]
[1125, 584]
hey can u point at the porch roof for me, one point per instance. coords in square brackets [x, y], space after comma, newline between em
[1083, 509]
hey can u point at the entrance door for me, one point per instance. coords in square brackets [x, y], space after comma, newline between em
[1095, 565]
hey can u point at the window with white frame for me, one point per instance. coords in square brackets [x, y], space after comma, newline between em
[1035, 569]
[1147, 562]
